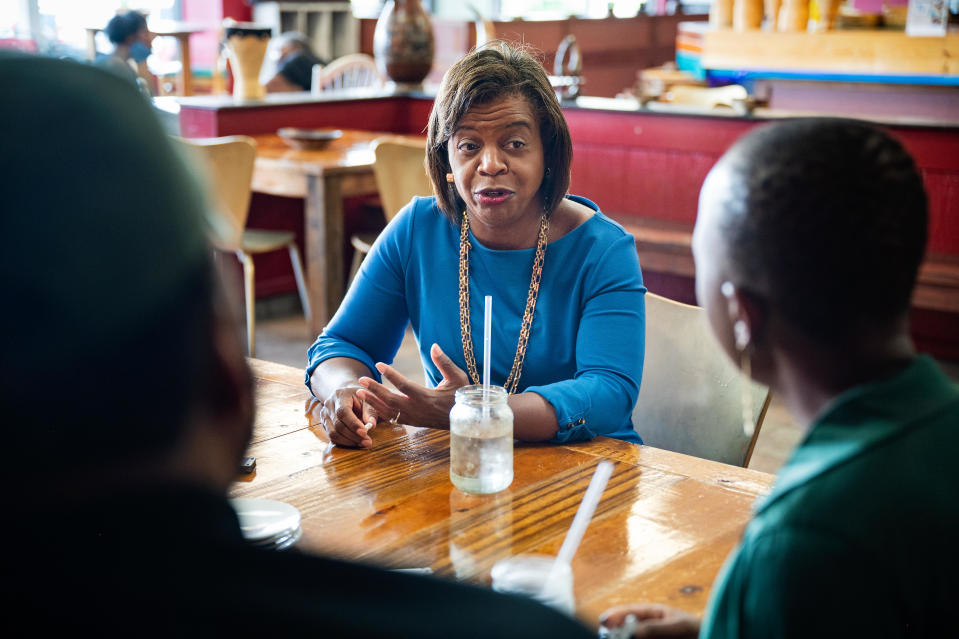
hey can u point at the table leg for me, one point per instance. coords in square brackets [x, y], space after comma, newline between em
[186, 72]
[324, 247]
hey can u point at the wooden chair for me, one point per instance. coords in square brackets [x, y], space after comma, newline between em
[400, 173]
[349, 72]
[228, 163]
[690, 400]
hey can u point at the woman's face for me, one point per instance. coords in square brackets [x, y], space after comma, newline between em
[496, 157]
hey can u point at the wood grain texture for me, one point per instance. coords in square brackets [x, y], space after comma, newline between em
[661, 532]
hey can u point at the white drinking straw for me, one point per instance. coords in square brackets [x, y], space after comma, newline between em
[583, 515]
[487, 331]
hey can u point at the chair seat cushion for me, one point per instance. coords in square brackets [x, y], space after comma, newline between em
[263, 241]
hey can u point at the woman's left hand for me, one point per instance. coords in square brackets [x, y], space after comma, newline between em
[414, 404]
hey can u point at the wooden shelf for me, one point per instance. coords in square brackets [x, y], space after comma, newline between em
[865, 52]
[330, 26]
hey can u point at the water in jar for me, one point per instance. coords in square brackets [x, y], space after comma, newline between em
[481, 447]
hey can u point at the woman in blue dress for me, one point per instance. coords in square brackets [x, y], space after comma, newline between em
[568, 313]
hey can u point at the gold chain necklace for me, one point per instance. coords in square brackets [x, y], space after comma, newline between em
[466, 331]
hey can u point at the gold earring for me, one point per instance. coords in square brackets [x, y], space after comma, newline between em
[449, 178]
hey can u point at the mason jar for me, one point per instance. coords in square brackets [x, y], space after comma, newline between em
[481, 440]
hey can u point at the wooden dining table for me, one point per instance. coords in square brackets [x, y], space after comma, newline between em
[664, 526]
[322, 177]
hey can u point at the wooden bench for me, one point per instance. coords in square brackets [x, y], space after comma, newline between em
[666, 247]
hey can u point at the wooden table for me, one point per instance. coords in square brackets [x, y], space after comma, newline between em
[323, 178]
[174, 29]
[661, 532]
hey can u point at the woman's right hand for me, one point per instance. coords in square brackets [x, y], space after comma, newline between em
[347, 419]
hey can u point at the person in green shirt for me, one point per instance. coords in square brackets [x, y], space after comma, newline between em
[808, 242]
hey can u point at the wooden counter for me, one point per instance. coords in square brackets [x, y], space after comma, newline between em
[882, 73]
[396, 111]
[870, 53]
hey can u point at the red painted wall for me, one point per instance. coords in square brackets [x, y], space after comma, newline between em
[653, 165]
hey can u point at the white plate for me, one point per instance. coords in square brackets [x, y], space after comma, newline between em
[261, 519]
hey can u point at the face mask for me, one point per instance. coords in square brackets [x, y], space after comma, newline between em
[139, 51]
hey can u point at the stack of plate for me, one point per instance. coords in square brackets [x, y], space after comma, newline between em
[267, 523]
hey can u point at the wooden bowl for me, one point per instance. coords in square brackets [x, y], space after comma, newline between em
[309, 138]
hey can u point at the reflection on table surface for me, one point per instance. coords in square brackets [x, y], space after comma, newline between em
[661, 532]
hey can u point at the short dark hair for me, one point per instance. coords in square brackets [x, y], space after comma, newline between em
[495, 71]
[829, 217]
[123, 25]
[107, 349]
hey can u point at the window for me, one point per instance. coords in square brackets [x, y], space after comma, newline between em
[61, 25]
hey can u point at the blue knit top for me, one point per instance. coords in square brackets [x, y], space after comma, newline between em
[585, 351]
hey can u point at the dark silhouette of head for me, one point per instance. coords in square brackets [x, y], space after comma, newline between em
[824, 220]
[110, 333]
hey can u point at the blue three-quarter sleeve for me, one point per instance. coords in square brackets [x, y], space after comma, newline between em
[599, 398]
[369, 324]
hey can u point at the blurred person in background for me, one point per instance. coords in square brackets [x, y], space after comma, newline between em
[294, 68]
[132, 41]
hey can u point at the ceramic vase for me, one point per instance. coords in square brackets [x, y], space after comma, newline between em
[245, 45]
[403, 42]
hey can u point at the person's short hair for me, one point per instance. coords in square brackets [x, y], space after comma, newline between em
[828, 219]
[123, 25]
[497, 70]
[106, 274]
[294, 39]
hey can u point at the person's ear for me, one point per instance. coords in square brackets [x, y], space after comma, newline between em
[745, 315]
